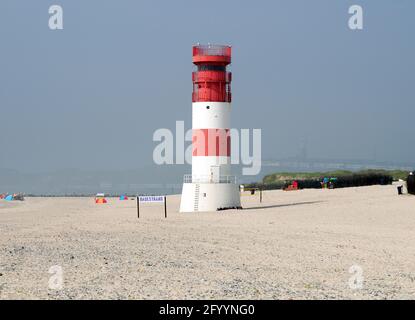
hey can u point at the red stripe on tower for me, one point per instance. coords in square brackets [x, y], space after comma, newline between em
[211, 142]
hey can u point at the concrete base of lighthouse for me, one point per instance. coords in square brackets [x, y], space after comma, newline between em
[209, 197]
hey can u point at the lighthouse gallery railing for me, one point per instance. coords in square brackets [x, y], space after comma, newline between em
[188, 178]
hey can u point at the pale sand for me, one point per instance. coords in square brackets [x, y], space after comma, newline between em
[301, 244]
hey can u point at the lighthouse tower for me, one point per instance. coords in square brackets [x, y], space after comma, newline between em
[211, 186]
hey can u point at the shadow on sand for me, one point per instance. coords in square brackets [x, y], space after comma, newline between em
[283, 205]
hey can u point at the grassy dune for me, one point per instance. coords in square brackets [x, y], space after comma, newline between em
[289, 176]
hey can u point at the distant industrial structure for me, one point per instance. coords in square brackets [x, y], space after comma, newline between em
[211, 186]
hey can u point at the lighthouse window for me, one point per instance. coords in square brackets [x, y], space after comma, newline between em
[207, 107]
[211, 68]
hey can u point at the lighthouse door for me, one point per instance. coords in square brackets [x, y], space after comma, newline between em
[214, 174]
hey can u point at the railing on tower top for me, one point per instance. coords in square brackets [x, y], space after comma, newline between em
[212, 50]
[188, 178]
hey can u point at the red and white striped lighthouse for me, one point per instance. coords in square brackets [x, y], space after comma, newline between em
[211, 186]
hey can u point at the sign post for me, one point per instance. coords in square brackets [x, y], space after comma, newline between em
[165, 206]
[138, 207]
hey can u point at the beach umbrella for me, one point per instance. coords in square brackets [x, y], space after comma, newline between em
[9, 198]
[123, 197]
[100, 200]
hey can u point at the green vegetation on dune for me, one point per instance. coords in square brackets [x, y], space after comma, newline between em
[279, 177]
[286, 176]
[398, 174]
[344, 179]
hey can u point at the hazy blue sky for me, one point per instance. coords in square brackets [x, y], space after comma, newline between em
[91, 95]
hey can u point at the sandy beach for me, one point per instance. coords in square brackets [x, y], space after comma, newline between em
[293, 245]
